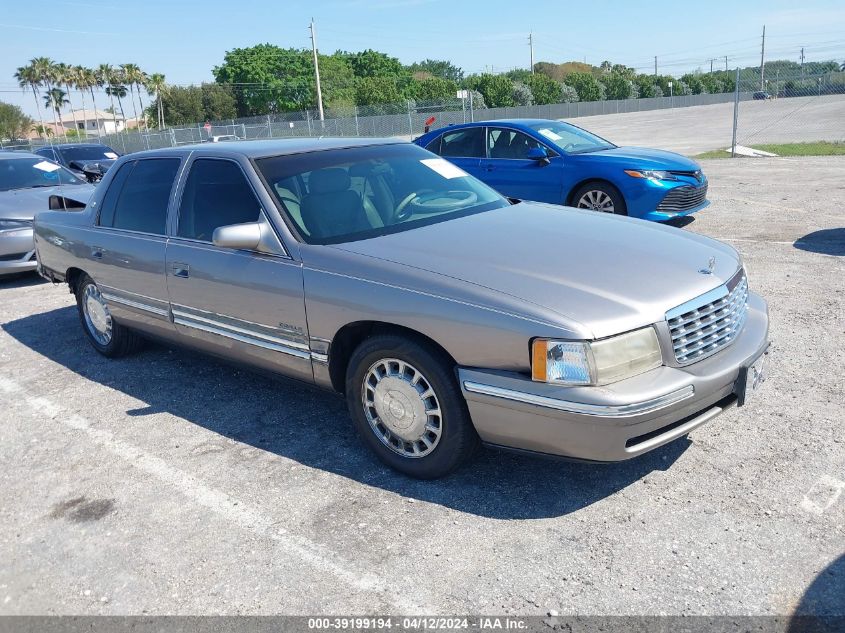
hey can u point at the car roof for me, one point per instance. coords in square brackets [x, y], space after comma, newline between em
[274, 147]
[10, 155]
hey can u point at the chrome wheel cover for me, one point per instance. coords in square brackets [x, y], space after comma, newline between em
[402, 408]
[97, 315]
[596, 200]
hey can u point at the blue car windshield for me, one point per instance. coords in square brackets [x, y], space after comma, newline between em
[28, 173]
[571, 139]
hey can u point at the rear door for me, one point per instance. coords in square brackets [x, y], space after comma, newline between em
[128, 243]
[242, 304]
[464, 148]
[509, 171]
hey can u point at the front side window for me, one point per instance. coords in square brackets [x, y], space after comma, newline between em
[571, 139]
[505, 143]
[349, 194]
[216, 194]
[30, 173]
[466, 143]
[138, 196]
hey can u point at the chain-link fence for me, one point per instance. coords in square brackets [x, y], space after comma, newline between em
[772, 110]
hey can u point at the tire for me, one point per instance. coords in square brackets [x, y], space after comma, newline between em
[591, 195]
[395, 404]
[109, 338]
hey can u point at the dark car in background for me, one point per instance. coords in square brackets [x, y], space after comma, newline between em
[761, 95]
[89, 161]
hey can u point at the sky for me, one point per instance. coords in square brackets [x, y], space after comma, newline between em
[185, 39]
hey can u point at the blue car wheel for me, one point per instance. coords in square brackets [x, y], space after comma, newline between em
[599, 196]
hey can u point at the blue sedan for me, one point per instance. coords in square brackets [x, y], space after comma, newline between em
[553, 161]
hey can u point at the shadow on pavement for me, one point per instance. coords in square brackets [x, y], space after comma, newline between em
[826, 242]
[822, 607]
[681, 222]
[21, 280]
[312, 427]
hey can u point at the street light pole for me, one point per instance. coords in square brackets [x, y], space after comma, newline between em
[317, 71]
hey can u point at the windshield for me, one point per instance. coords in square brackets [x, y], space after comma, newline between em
[88, 152]
[27, 173]
[350, 194]
[571, 139]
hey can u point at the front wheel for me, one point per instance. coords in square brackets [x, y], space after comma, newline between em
[600, 196]
[407, 407]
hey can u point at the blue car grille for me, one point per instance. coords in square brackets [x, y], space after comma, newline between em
[701, 329]
[683, 199]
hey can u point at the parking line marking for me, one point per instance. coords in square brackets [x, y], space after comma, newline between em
[822, 494]
[214, 499]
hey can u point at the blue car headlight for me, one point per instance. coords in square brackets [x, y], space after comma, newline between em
[650, 174]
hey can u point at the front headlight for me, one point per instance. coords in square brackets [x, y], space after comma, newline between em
[651, 174]
[595, 362]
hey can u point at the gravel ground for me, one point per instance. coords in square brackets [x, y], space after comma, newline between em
[170, 483]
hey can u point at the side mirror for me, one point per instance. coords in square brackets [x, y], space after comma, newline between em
[251, 236]
[539, 154]
[240, 236]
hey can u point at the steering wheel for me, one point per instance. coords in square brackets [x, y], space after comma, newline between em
[400, 213]
[568, 146]
[434, 201]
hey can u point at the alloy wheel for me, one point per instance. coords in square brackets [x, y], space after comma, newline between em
[596, 200]
[97, 316]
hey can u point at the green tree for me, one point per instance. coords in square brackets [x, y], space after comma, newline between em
[382, 94]
[182, 105]
[14, 124]
[156, 86]
[497, 90]
[370, 63]
[433, 89]
[28, 77]
[438, 68]
[617, 86]
[559, 71]
[587, 86]
[218, 102]
[544, 89]
[521, 94]
[568, 94]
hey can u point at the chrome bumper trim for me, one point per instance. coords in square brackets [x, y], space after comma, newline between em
[605, 411]
[187, 321]
[135, 304]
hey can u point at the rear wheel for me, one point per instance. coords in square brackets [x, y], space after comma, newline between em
[600, 196]
[108, 337]
[407, 407]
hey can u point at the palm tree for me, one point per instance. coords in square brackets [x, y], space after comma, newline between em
[65, 76]
[55, 98]
[42, 130]
[106, 77]
[28, 77]
[134, 77]
[156, 86]
[45, 69]
[117, 90]
[86, 79]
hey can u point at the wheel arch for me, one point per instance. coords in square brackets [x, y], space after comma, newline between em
[72, 277]
[351, 335]
[570, 197]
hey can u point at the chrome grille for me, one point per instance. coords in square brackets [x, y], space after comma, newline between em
[708, 323]
[683, 199]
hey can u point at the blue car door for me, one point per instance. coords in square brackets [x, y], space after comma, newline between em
[509, 171]
[463, 147]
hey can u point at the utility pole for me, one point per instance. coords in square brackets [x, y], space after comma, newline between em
[763, 61]
[317, 71]
[802, 63]
[531, 46]
[711, 65]
[655, 65]
[726, 63]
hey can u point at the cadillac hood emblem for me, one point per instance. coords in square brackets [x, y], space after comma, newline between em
[711, 264]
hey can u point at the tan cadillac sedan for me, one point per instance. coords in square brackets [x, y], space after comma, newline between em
[447, 315]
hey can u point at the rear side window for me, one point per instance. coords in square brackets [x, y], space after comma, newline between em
[138, 196]
[216, 194]
[467, 143]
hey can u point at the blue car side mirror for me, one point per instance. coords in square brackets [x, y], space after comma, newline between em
[539, 154]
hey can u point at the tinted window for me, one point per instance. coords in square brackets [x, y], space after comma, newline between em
[503, 143]
[467, 143]
[89, 152]
[434, 146]
[138, 196]
[30, 173]
[343, 195]
[570, 138]
[216, 194]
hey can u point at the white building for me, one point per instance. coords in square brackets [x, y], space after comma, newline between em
[88, 120]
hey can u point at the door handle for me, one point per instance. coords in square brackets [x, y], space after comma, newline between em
[97, 252]
[181, 270]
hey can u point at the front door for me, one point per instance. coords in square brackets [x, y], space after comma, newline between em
[509, 171]
[464, 148]
[242, 304]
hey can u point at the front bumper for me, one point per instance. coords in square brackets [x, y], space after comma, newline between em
[644, 198]
[17, 251]
[619, 421]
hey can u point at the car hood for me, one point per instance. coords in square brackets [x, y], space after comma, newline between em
[23, 204]
[645, 158]
[608, 274]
